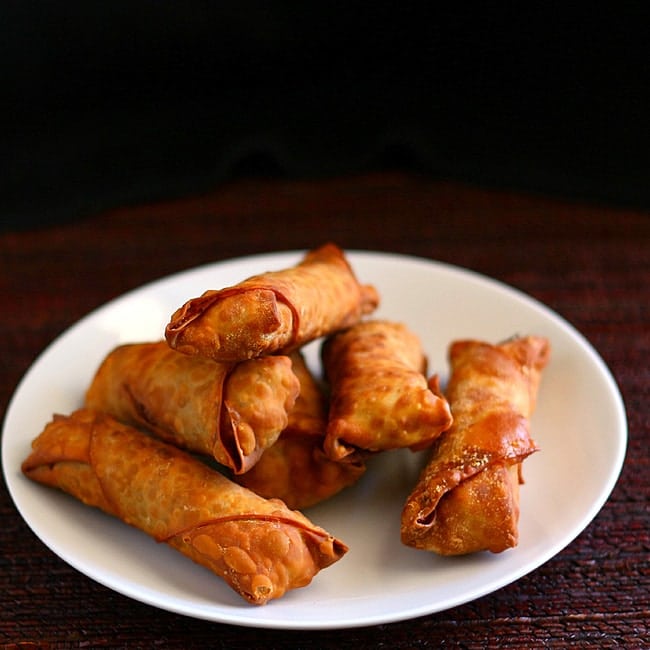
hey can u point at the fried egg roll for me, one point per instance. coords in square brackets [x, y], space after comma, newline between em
[273, 312]
[380, 398]
[259, 547]
[230, 411]
[467, 496]
[296, 468]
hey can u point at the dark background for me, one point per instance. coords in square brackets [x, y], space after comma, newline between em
[116, 103]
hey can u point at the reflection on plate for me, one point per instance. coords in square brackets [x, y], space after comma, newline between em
[580, 425]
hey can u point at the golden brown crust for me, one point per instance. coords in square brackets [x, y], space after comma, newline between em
[296, 469]
[466, 498]
[259, 547]
[232, 412]
[273, 312]
[380, 399]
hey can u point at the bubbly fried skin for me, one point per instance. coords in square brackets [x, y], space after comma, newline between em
[258, 546]
[273, 312]
[380, 398]
[229, 411]
[467, 496]
[295, 468]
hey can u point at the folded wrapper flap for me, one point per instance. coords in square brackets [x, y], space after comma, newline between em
[262, 301]
[446, 471]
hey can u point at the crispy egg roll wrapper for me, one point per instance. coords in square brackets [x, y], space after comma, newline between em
[380, 398]
[273, 312]
[296, 468]
[258, 546]
[231, 412]
[467, 496]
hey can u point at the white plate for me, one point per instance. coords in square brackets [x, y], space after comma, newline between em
[580, 424]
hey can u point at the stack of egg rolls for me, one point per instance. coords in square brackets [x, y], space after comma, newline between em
[220, 387]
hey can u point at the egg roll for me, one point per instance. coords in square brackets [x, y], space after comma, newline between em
[295, 468]
[229, 411]
[466, 498]
[258, 546]
[273, 312]
[380, 398]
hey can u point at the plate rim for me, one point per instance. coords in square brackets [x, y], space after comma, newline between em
[274, 257]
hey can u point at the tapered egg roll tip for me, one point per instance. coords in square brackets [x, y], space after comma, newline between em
[239, 550]
[370, 299]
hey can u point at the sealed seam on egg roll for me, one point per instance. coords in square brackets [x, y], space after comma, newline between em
[232, 412]
[295, 468]
[273, 312]
[467, 497]
[380, 398]
[259, 547]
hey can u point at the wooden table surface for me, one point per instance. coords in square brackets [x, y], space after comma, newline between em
[590, 263]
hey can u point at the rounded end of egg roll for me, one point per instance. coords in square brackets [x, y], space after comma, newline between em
[481, 514]
[259, 395]
[231, 324]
